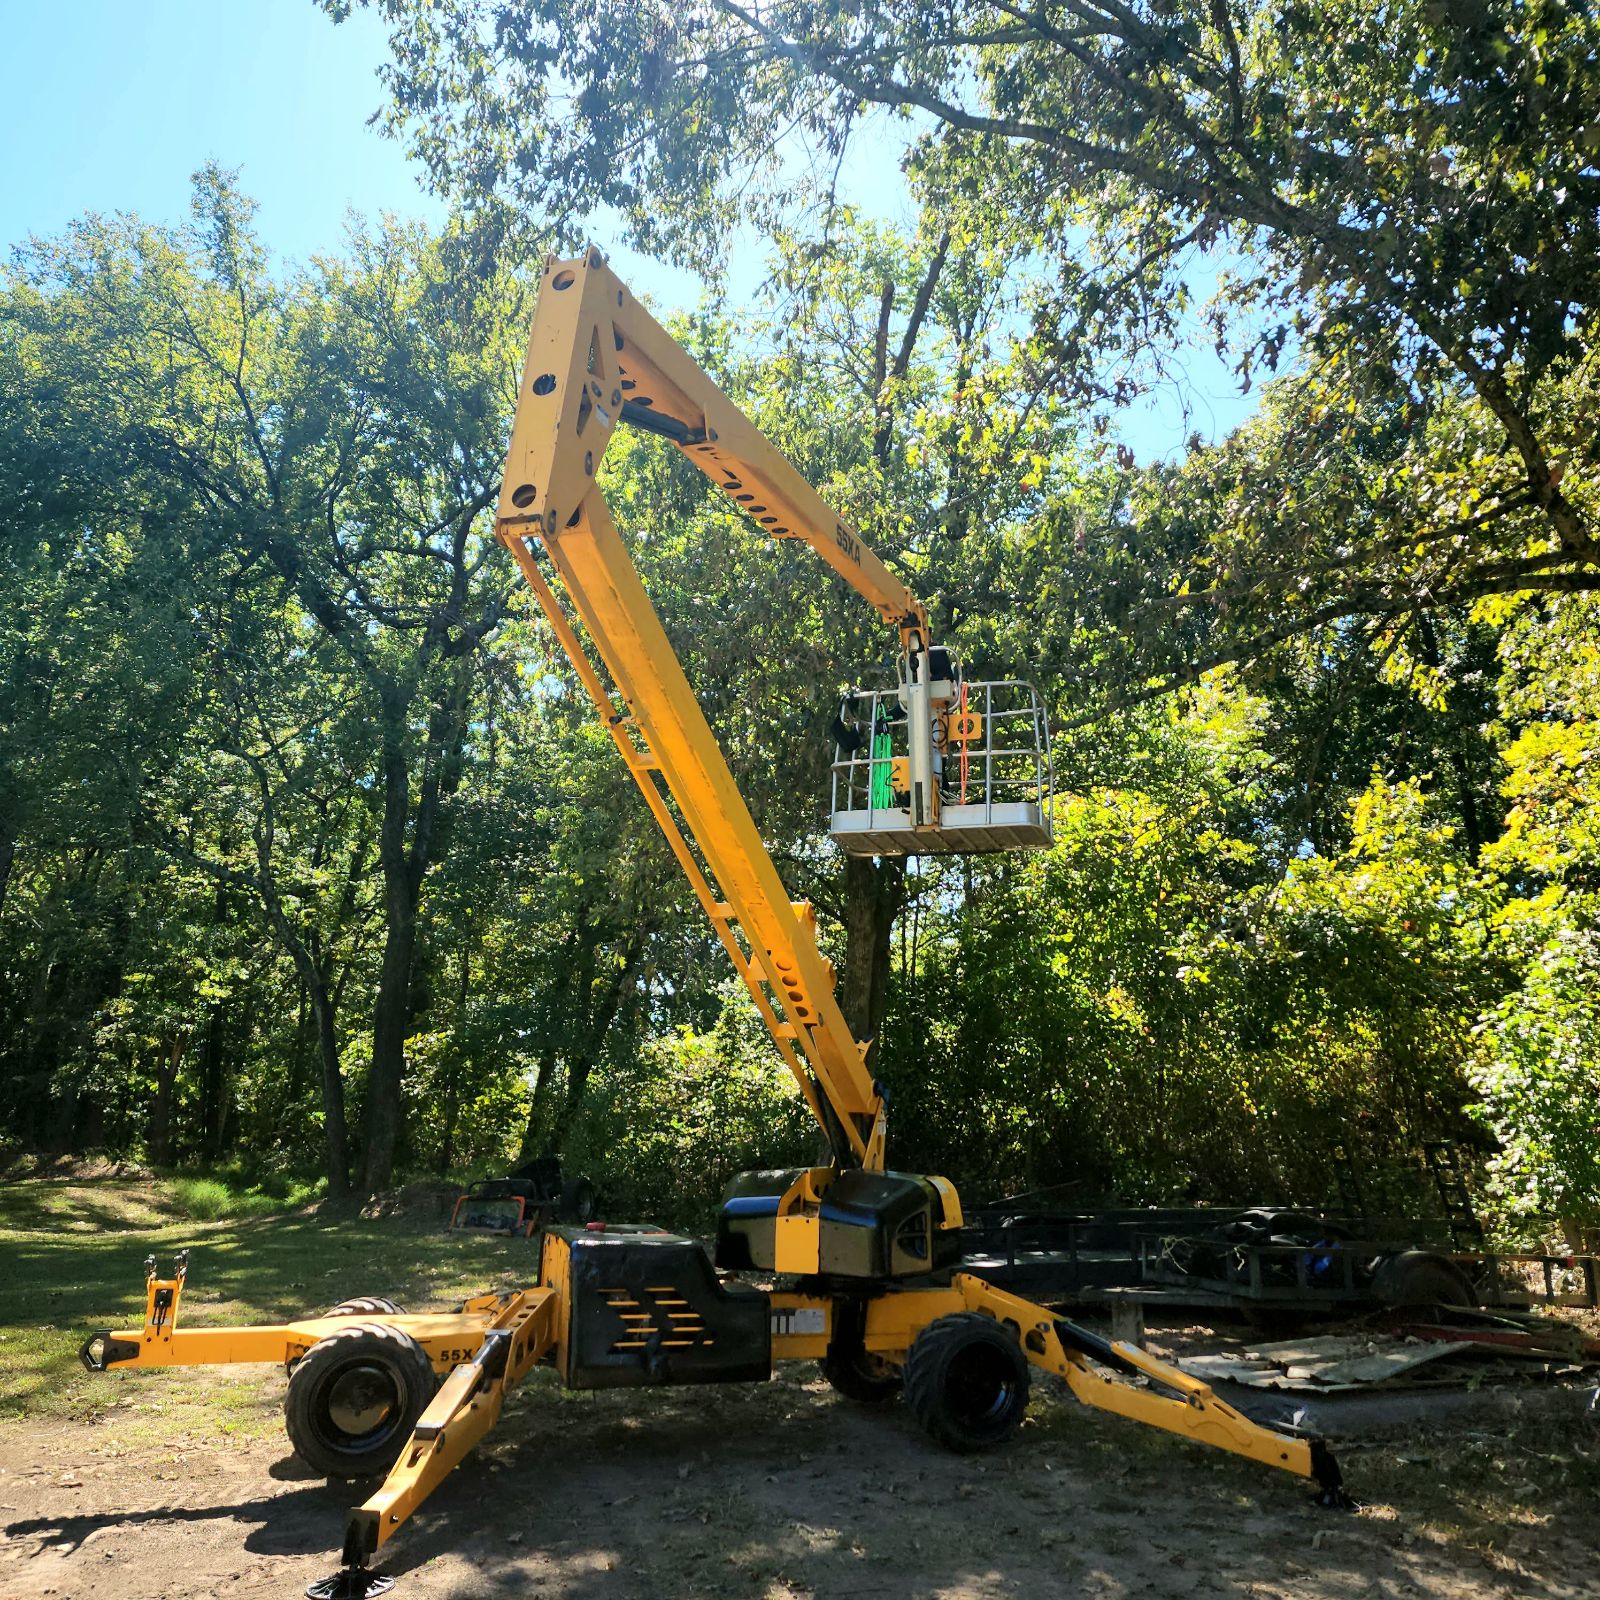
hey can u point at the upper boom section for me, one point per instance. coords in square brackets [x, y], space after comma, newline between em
[596, 357]
[604, 359]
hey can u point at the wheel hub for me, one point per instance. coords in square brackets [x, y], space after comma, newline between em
[979, 1387]
[361, 1400]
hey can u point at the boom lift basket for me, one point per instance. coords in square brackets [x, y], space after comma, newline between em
[991, 765]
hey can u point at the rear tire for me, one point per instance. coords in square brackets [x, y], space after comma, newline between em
[366, 1305]
[861, 1377]
[580, 1201]
[354, 1398]
[1416, 1280]
[966, 1381]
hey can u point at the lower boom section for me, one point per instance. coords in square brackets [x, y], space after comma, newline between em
[373, 1391]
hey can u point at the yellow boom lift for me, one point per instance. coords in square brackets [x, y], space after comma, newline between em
[861, 1265]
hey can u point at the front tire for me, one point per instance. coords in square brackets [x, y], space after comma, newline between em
[966, 1381]
[354, 1398]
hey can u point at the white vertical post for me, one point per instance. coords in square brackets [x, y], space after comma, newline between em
[919, 739]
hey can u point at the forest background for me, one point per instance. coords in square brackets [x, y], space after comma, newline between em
[314, 868]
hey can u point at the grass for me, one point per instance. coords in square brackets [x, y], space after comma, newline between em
[213, 1199]
[91, 1198]
[73, 1250]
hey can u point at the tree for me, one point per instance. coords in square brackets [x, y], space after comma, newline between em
[1406, 194]
[878, 371]
[336, 439]
[1536, 1074]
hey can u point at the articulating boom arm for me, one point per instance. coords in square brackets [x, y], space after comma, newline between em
[596, 357]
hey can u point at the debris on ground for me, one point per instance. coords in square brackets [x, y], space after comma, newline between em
[1465, 1350]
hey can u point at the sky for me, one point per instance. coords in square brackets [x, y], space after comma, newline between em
[111, 107]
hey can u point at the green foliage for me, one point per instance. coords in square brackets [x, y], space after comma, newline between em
[1163, 1008]
[299, 802]
[1538, 1071]
[1401, 198]
[668, 1130]
[1539, 1076]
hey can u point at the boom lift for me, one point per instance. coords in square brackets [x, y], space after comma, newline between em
[862, 1265]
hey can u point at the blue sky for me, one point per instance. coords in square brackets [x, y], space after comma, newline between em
[111, 106]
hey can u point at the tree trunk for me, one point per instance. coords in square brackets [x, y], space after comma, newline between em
[391, 1026]
[391, 1013]
[214, 1098]
[555, 1023]
[161, 1151]
[874, 895]
[335, 1136]
[403, 872]
[8, 855]
[543, 1077]
[581, 1067]
[214, 1107]
[314, 964]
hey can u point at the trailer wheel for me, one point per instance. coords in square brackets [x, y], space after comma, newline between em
[354, 1398]
[367, 1305]
[966, 1381]
[861, 1377]
[1415, 1279]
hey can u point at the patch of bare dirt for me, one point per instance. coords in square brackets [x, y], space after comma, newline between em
[427, 1202]
[782, 1491]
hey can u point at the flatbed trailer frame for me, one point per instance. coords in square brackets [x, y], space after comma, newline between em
[1342, 1274]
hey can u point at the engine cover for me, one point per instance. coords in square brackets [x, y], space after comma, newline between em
[870, 1225]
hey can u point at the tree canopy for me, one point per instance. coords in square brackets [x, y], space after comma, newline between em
[1406, 200]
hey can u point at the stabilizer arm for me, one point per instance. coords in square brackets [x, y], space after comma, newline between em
[466, 1407]
[1175, 1401]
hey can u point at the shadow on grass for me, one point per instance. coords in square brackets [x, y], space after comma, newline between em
[79, 1207]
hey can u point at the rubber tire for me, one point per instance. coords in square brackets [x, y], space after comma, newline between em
[580, 1201]
[937, 1371]
[851, 1378]
[366, 1305]
[371, 1344]
[1415, 1280]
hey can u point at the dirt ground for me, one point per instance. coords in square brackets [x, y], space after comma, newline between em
[783, 1490]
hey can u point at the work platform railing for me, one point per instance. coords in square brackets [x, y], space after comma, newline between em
[992, 769]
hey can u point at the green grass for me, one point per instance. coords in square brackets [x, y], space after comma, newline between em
[94, 1199]
[72, 1252]
[213, 1199]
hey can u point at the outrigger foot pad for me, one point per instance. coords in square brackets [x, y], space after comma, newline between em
[1331, 1493]
[350, 1583]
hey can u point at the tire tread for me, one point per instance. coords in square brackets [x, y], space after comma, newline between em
[925, 1372]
